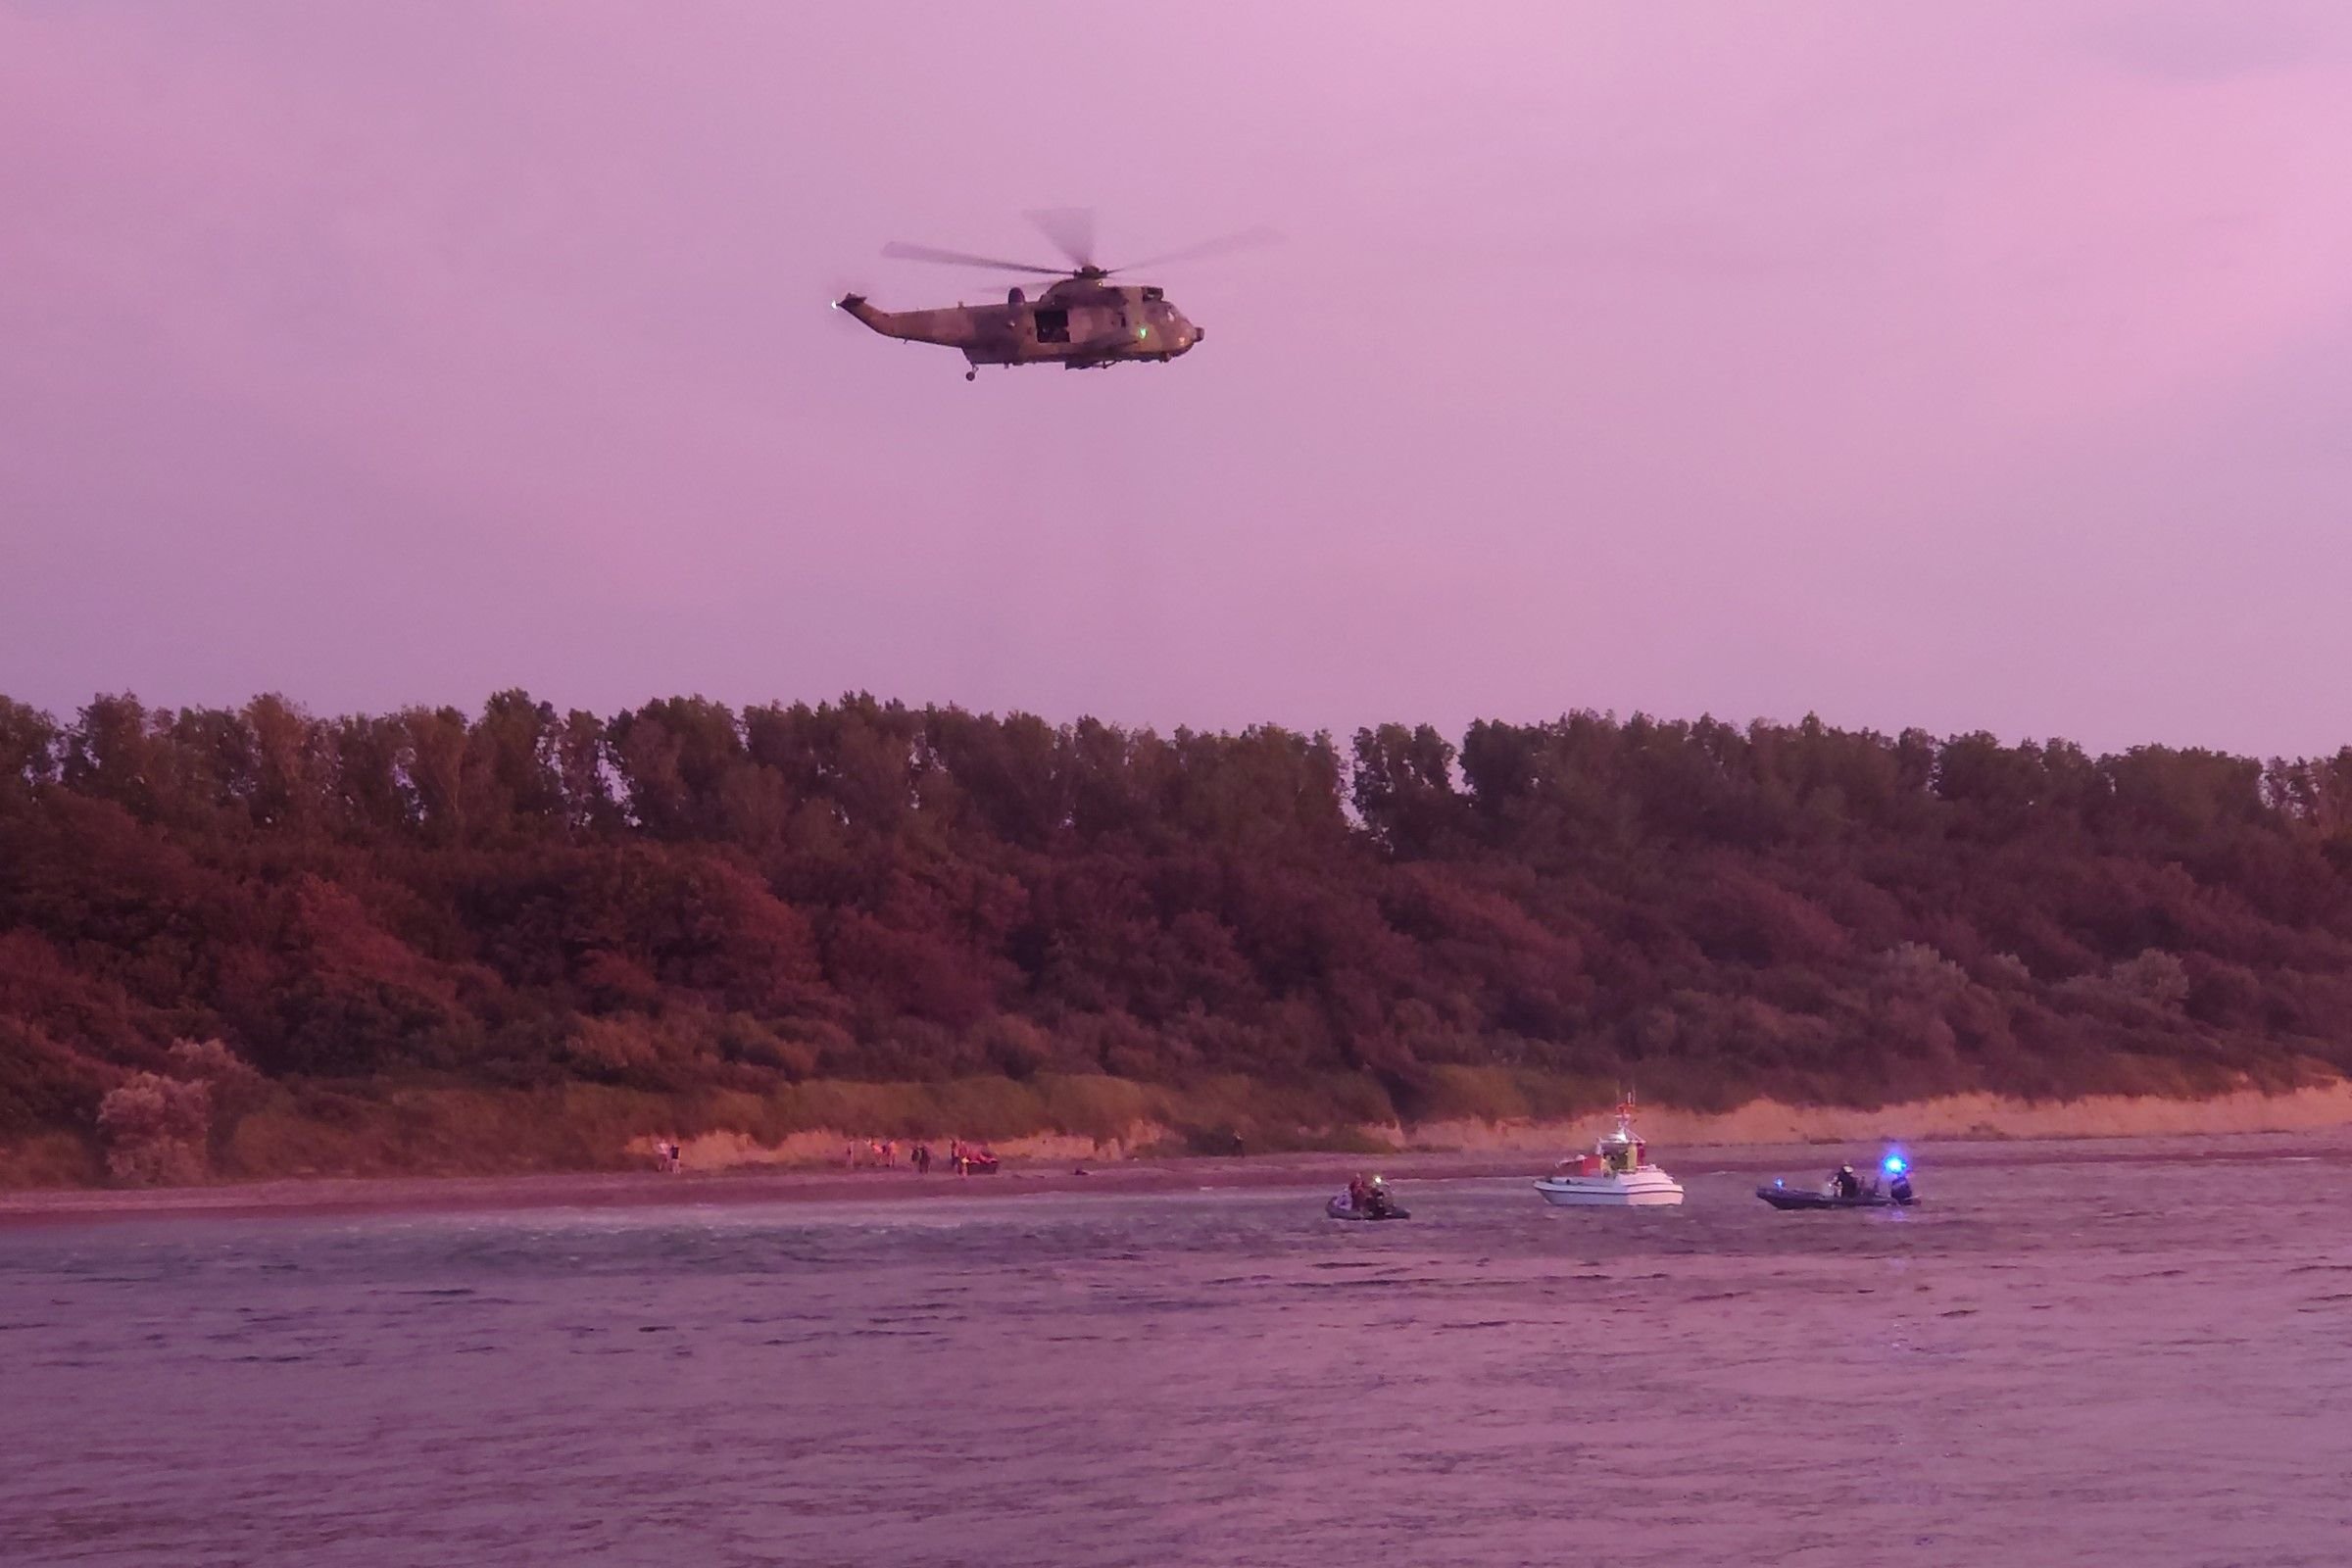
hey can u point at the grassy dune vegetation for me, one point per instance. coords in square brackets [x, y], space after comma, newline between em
[255, 942]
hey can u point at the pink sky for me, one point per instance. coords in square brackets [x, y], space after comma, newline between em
[1967, 367]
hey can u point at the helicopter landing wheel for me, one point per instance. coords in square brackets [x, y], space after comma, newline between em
[972, 375]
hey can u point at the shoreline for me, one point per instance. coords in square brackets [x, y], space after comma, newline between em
[298, 1198]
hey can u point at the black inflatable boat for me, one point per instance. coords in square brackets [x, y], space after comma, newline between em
[1341, 1208]
[1779, 1196]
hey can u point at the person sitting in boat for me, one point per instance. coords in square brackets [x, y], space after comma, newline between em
[1844, 1183]
[1359, 1194]
[1376, 1199]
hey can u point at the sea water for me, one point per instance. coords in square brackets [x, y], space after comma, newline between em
[2057, 1363]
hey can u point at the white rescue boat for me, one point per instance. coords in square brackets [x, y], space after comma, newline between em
[1617, 1174]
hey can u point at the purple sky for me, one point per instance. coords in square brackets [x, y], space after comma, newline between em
[1968, 366]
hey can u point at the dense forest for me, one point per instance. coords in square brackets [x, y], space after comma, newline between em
[682, 899]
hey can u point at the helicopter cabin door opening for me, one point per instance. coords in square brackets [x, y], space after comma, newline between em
[1053, 323]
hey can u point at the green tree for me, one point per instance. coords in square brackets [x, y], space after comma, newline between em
[1403, 787]
[28, 745]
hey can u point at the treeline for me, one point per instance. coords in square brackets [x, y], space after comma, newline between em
[683, 898]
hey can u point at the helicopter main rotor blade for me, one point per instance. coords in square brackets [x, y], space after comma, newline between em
[1246, 239]
[927, 253]
[1071, 229]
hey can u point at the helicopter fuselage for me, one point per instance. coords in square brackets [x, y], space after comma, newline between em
[1078, 324]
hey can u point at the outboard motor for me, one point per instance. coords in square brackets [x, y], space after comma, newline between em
[1898, 1177]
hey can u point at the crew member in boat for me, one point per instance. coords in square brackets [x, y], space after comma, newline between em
[1844, 1183]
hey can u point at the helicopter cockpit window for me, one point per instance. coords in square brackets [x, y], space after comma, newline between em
[1153, 294]
[1053, 324]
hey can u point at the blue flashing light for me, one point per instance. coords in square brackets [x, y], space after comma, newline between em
[1894, 1164]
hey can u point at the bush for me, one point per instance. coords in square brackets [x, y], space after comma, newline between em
[157, 1129]
[2156, 978]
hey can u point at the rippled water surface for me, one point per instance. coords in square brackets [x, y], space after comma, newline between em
[2137, 1365]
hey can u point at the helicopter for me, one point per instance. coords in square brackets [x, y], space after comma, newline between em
[1082, 322]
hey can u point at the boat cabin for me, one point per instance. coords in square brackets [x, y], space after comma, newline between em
[1620, 1153]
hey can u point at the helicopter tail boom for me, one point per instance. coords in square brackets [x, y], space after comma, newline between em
[949, 328]
[856, 306]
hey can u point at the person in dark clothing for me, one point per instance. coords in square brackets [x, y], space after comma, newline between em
[1844, 1183]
